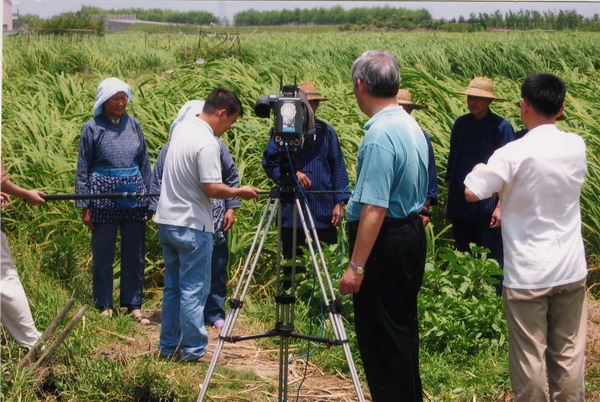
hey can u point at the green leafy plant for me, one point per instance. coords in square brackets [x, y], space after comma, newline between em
[459, 311]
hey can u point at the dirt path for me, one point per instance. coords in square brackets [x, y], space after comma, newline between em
[316, 385]
[592, 375]
[250, 357]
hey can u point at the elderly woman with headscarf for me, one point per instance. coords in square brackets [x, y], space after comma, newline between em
[113, 159]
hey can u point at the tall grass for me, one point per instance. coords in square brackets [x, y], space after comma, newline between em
[48, 94]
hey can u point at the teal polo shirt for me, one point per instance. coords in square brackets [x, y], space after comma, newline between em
[392, 166]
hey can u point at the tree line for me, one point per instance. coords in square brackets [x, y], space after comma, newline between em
[158, 15]
[360, 18]
[378, 16]
[530, 19]
[62, 24]
[401, 18]
[93, 18]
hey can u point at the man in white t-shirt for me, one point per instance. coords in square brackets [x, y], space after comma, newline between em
[539, 179]
[191, 177]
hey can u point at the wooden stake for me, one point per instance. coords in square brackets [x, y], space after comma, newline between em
[47, 333]
[60, 338]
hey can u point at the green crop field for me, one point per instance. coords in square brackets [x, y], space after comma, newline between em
[48, 90]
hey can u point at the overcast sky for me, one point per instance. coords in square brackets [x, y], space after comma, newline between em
[227, 9]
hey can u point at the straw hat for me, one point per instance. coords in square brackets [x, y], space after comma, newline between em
[310, 89]
[481, 87]
[405, 99]
[561, 116]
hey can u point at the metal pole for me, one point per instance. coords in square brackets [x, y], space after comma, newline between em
[54, 197]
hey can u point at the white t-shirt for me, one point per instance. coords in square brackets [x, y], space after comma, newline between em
[193, 159]
[539, 179]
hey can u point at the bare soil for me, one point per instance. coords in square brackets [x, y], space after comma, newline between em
[315, 384]
[592, 375]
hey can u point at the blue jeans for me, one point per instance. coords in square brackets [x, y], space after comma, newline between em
[187, 253]
[133, 237]
[218, 285]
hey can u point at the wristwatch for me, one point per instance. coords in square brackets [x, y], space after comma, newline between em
[356, 268]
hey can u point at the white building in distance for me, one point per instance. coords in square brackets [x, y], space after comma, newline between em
[7, 16]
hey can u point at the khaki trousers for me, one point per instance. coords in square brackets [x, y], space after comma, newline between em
[547, 334]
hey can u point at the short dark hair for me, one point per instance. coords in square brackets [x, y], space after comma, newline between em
[222, 98]
[379, 71]
[545, 92]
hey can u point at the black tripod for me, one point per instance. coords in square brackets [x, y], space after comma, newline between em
[284, 313]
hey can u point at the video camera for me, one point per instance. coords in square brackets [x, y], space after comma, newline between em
[294, 123]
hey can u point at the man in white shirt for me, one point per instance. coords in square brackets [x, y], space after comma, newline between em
[539, 179]
[191, 177]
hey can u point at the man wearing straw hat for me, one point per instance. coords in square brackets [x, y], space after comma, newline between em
[405, 100]
[475, 136]
[320, 169]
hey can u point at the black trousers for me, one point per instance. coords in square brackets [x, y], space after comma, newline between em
[480, 233]
[385, 310]
[327, 235]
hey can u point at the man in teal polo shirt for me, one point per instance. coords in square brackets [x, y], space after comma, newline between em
[386, 233]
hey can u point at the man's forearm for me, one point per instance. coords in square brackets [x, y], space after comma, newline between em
[11, 188]
[470, 196]
[219, 190]
[371, 219]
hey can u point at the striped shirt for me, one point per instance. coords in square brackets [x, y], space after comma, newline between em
[432, 185]
[324, 166]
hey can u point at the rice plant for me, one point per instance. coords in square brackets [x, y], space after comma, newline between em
[48, 92]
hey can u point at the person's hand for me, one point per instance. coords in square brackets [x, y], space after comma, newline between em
[424, 218]
[247, 193]
[350, 282]
[87, 219]
[228, 219]
[496, 218]
[337, 214]
[34, 197]
[4, 199]
[304, 181]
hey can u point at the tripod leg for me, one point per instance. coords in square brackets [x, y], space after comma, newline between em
[242, 286]
[284, 354]
[334, 313]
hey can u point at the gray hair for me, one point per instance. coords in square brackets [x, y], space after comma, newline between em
[379, 71]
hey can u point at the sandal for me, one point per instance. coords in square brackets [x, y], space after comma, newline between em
[139, 317]
[106, 312]
[142, 319]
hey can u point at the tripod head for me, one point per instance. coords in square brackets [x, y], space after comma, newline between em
[287, 185]
[286, 194]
